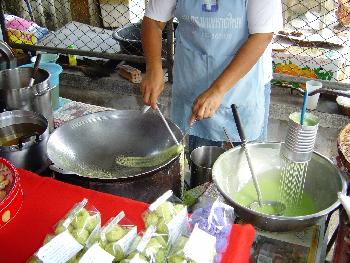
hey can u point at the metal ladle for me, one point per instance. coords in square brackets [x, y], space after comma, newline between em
[146, 108]
[274, 207]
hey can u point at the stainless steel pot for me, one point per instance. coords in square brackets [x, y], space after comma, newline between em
[23, 137]
[323, 182]
[16, 95]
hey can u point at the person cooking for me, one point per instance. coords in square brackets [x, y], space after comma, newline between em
[221, 58]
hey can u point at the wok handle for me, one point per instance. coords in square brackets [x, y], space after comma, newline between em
[238, 123]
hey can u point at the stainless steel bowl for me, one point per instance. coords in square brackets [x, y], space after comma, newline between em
[323, 182]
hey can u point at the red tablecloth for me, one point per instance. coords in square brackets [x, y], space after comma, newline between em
[46, 201]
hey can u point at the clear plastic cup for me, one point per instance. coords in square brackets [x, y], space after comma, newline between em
[312, 101]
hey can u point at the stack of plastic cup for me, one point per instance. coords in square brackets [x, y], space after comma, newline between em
[312, 101]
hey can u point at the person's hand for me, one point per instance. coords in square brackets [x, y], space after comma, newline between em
[206, 104]
[152, 86]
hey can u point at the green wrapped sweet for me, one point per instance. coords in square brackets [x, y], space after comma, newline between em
[48, 238]
[60, 228]
[70, 228]
[166, 211]
[162, 215]
[161, 240]
[179, 208]
[115, 233]
[81, 219]
[180, 244]
[156, 249]
[162, 227]
[115, 250]
[92, 222]
[160, 256]
[81, 235]
[138, 257]
[33, 259]
[73, 260]
[176, 259]
[150, 219]
[177, 254]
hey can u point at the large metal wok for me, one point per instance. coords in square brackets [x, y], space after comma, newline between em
[323, 182]
[89, 145]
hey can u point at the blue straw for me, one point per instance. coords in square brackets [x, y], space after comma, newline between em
[303, 109]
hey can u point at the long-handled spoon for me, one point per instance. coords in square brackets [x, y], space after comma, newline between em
[35, 71]
[269, 207]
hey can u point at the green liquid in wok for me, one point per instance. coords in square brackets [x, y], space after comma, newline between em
[270, 189]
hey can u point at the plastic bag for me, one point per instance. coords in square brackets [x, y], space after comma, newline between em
[152, 248]
[70, 235]
[168, 215]
[217, 220]
[113, 242]
[25, 26]
[177, 254]
[199, 247]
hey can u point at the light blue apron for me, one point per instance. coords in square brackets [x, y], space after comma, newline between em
[206, 42]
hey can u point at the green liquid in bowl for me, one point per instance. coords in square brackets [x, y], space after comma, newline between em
[270, 189]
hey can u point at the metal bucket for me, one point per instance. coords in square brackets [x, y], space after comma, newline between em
[16, 95]
[202, 161]
[23, 137]
[323, 182]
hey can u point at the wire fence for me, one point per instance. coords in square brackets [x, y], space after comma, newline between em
[313, 43]
[95, 28]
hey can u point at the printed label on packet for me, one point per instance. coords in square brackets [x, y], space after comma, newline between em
[178, 225]
[126, 241]
[60, 249]
[96, 254]
[160, 200]
[206, 251]
[146, 238]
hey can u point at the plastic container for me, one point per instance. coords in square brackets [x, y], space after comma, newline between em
[55, 70]
[46, 58]
[72, 59]
[312, 101]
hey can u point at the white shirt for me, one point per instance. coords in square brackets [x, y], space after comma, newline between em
[264, 16]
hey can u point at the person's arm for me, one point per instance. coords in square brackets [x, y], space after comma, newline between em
[247, 56]
[153, 82]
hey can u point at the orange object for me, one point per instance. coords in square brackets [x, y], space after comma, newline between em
[130, 73]
[343, 13]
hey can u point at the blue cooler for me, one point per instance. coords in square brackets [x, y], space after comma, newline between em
[55, 71]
